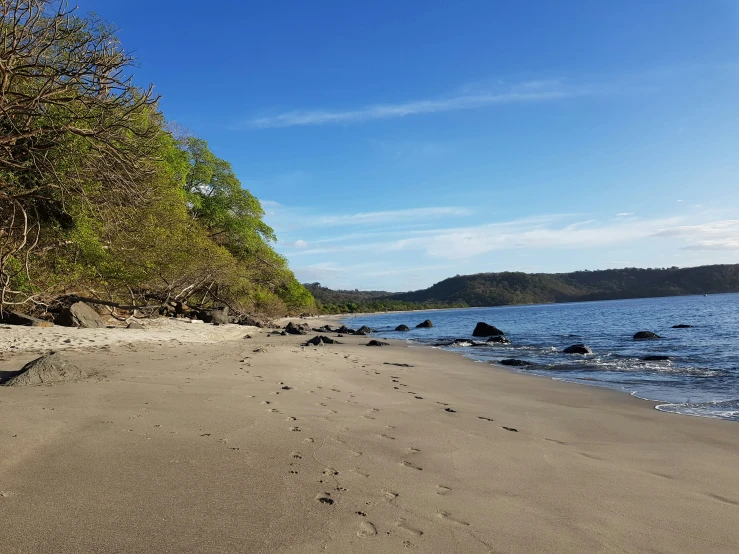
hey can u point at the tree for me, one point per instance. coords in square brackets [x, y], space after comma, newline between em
[74, 130]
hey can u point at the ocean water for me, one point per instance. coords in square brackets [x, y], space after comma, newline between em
[701, 378]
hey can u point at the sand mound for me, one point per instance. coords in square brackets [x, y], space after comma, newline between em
[53, 368]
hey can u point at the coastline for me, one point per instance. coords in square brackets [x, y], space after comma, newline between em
[230, 446]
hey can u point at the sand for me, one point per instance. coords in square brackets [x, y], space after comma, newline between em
[207, 446]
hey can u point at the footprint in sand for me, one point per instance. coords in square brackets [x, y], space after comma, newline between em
[329, 471]
[405, 526]
[446, 517]
[325, 498]
[389, 495]
[410, 465]
[485, 418]
[359, 472]
[366, 529]
[441, 489]
[296, 455]
[412, 450]
[511, 429]
[291, 418]
[450, 410]
[309, 439]
[384, 436]
[296, 429]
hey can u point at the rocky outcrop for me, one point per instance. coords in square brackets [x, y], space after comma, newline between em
[254, 321]
[363, 330]
[377, 343]
[402, 328]
[320, 340]
[296, 329]
[655, 358]
[80, 315]
[514, 362]
[682, 326]
[646, 335]
[483, 329]
[134, 325]
[324, 329]
[345, 330]
[425, 324]
[577, 349]
[53, 368]
[499, 339]
[17, 318]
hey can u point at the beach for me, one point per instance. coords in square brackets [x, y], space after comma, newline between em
[206, 441]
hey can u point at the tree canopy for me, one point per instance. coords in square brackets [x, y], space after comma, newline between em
[98, 195]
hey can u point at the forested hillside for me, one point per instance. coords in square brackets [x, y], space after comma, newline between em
[496, 289]
[101, 196]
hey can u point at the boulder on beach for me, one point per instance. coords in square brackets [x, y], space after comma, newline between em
[377, 343]
[53, 368]
[500, 339]
[345, 330]
[324, 329]
[216, 316]
[363, 330]
[294, 329]
[646, 335]
[425, 324]
[682, 326]
[320, 340]
[483, 329]
[18, 318]
[80, 315]
[577, 349]
[514, 362]
[134, 325]
[402, 328]
[655, 358]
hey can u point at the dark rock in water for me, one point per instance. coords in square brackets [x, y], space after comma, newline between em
[53, 368]
[80, 315]
[577, 349]
[293, 329]
[320, 340]
[483, 329]
[425, 324]
[402, 328]
[17, 318]
[682, 326]
[500, 339]
[646, 335]
[514, 362]
[377, 343]
[134, 325]
[363, 330]
[655, 358]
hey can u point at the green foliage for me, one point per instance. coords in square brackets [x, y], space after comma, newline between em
[100, 197]
[497, 289]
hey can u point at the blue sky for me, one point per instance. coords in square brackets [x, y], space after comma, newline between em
[394, 144]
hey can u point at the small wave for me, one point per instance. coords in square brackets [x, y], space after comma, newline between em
[720, 409]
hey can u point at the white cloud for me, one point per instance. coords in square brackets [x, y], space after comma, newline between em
[301, 244]
[529, 234]
[523, 92]
[373, 218]
[624, 214]
[716, 235]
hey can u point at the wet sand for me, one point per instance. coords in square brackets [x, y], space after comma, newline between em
[262, 445]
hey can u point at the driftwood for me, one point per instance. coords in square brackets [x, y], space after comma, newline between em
[113, 304]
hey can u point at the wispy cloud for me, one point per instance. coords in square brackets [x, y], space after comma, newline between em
[390, 216]
[716, 235]
[463, 243]
[533, 91]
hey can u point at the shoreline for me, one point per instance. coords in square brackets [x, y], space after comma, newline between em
[264, 445]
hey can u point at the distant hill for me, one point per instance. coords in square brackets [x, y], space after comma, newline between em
[497, 289]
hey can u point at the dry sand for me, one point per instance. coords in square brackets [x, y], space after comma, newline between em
[208, 446]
